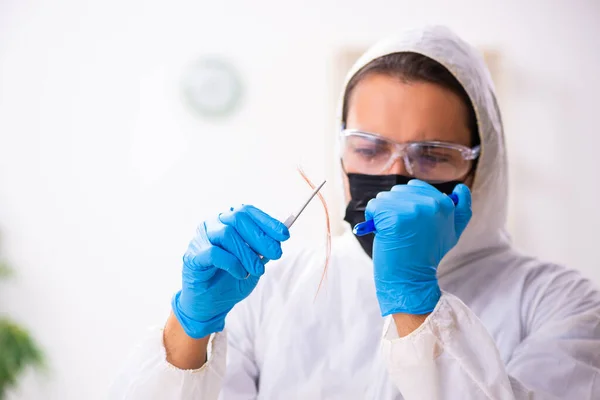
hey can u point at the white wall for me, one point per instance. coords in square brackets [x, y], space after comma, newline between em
[104, 173]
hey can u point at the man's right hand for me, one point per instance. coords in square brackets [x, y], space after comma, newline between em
[223, 265]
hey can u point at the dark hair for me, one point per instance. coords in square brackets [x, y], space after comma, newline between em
[414, 67]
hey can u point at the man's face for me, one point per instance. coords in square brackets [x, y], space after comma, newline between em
[408, 112]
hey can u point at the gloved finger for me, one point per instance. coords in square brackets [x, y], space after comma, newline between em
[204, 264]
[426, 188]
[269, 225]
[391, 211]
[421, 184]
[272, 227]
[252, 234]
[384, 206]
[462, 211]
[227, 238]
[391, 200]
[371, 209]
[444, 200]
[438, 200]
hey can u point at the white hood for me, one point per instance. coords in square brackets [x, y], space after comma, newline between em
[486, 232]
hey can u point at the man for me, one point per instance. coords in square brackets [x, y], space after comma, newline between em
[465, 316]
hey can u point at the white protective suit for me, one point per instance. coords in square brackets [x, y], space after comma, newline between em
[506, 327]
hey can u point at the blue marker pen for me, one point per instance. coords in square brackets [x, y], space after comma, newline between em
[364, 228]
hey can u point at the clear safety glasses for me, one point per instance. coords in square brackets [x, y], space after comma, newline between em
[434, 162]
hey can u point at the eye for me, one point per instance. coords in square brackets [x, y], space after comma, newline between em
[368, 152]
[434, 158]
[434, 155]
[371, 151]
[368, 147]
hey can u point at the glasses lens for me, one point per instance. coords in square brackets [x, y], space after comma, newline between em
[365, 154]
[436, 163]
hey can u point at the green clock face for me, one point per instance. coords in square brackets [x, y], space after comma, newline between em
[212, 87]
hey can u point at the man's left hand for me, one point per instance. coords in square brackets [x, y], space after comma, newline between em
[416, 225]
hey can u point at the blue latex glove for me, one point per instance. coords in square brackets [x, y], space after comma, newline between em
[222, 266]
[416, 225]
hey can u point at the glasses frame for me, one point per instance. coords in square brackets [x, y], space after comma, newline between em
[467, 153]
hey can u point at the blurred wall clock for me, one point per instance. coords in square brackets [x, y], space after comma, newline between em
[212, 87]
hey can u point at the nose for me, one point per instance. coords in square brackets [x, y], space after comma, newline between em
[398, 167]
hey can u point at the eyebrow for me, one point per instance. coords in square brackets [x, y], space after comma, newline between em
[379, 139]
[421, 137]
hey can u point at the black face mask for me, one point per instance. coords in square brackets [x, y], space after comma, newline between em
[366, 187]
